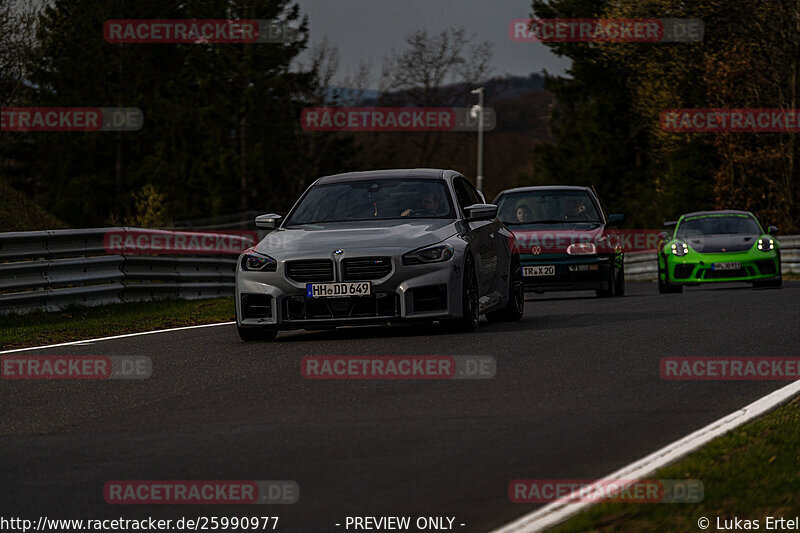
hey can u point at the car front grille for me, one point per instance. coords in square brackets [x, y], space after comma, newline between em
[766, 266]
[433, 298]
[366, 268]
[381, 305]
[256, 306]
[683, 271]
[310, 270]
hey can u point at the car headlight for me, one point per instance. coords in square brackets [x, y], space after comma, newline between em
[680, 248]
[259, 262]
[766, 244]
[582, 248]
[429, 254]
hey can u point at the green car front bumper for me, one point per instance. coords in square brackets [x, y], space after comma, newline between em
[695, 267]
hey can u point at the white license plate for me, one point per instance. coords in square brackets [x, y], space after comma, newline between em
[726, 266]
[337, 290]
[543, 270]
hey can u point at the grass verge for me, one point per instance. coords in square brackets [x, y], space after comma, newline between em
[35, 329]
[751, 473]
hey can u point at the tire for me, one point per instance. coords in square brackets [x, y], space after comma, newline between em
[260, 334]
[662, 285]
[515, 307]
[609, 292]
[470, 311]
[619, 283]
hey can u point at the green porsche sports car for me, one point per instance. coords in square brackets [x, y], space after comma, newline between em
[718, 246]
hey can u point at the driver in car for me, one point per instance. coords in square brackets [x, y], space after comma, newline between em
[428, 205]
[576, 210]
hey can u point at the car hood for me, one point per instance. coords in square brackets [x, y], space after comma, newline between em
[721, 243]
[384, 235]
[555, 238]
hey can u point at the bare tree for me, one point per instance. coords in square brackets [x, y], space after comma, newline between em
[321, 148]
[17, 36]
[435, 68]
[434, 71]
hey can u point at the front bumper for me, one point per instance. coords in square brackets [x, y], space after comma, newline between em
[572, 273]
[407, 293]
[698, 268]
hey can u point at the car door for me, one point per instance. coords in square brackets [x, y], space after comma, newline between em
[499, 243]
[483, 233]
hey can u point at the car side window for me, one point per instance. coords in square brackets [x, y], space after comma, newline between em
[602, 207]
[473, 192]
[462, 193]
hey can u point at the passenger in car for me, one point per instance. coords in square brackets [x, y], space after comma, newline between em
[523, 214]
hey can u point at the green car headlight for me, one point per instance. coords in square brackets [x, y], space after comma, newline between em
[680, 248]
[766, 244]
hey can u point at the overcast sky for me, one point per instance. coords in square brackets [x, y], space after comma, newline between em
[368, 30]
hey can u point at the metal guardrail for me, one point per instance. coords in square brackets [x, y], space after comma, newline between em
[642, 266]
[50, 270]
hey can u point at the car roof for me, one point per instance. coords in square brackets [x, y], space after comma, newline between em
[403, 173]
[720, 212]
[546, 188]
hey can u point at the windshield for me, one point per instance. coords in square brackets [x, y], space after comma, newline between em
[717, 225]
[379, 199]
[547, 207]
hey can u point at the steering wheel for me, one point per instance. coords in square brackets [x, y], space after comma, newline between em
[421, 212]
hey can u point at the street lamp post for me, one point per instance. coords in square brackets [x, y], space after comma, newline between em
[478, 110]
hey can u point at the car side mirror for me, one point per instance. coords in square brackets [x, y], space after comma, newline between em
[480, 212]
[772, 230]
[616, 218]
[268, 222]
[663, 236]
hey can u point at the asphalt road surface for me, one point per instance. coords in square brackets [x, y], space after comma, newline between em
[577, 394]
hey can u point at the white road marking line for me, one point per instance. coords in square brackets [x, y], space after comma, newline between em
[558, 511]
[90, 341]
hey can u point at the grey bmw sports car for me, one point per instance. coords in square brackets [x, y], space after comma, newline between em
[380, 247]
